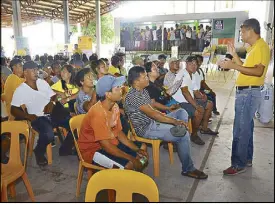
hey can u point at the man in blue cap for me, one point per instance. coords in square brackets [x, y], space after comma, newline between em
[101, 139]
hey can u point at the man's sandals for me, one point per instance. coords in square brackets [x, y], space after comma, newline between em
[197, 174]
[208, 131]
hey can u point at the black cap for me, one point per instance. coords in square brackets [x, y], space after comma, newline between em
[253, 24]
[15, 61]
[191, 59]
[30, 65]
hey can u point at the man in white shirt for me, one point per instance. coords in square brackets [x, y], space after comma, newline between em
[38, 99]
[198, 110]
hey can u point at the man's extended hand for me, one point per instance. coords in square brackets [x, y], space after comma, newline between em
[142, 153]
[231, 48]
[227, 64]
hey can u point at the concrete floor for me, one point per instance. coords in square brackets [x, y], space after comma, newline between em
[57, 183]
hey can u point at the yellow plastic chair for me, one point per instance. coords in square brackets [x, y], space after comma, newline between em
[75, 124]
[14, 169]
[155, 147]
[124, 182]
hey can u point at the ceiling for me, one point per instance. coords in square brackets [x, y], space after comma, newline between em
[38, 10]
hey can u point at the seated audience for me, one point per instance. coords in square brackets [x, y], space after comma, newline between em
[204, 88]
[114, 69]
[101, 140]
[157, 94]
[56, 71]
[138, 61]
[86, 97]
[39, 100]
[152, 124]
[65, 89]
[162, 61]
[13, 81]
[199, 109]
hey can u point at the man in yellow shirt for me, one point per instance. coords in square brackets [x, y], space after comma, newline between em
[248, 93]
[114, 68]
[77, 50]
[12, 82]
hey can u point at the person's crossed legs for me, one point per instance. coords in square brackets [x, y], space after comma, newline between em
[161, 131]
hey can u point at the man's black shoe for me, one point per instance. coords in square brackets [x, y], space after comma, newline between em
[40, 158]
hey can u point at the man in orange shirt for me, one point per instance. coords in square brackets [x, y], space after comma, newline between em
[101, 139]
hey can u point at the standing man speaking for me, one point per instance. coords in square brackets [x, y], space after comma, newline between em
[248, 93]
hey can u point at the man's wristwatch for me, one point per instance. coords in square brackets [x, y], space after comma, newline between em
[68, 99]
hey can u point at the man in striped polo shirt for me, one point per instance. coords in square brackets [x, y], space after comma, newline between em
[152, 124]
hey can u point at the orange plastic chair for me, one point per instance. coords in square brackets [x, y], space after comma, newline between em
[75, 124]
[155, 147]
[124, 182]
[14, 169]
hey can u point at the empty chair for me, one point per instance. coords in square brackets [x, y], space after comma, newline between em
[124, 182]
[15, 169]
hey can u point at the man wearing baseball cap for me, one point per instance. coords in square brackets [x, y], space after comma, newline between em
[101, 139]
[39, 99]
[248, 93]
[169, 79]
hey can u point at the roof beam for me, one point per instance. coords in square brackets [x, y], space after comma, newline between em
[57, 12]
[103, 10]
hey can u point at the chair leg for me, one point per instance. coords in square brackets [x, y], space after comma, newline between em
[111, 196]
[171, 152]
[31, 143]
[79, 179]
[90, 173]
[4, 194]
[50, 154]
[28, 186]
[190, 126]
[11, 187]
[155, 147]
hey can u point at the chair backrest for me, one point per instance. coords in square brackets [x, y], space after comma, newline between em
[15, 128]
[124, 182]
[75, 124]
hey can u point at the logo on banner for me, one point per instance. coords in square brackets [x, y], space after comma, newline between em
[218, 25]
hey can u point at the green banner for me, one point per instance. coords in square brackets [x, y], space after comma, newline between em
[224, 28]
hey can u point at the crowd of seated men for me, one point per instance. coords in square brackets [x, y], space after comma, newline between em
[49, 91]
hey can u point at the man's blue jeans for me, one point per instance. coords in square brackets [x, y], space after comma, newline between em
[246, 103]
[44, 126]
[161, 131]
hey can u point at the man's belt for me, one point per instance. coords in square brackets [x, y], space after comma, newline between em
[246, 87]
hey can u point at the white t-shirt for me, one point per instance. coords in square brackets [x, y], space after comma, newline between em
[188, 34]
[35, 101]
[200, 33]
[187, 81]
[197, 81]
[155, 35]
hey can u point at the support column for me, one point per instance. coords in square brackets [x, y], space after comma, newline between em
[66, 21]
[16, 19]
[162, 34]
[79, 29]
[98, 29]
[52, 35]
